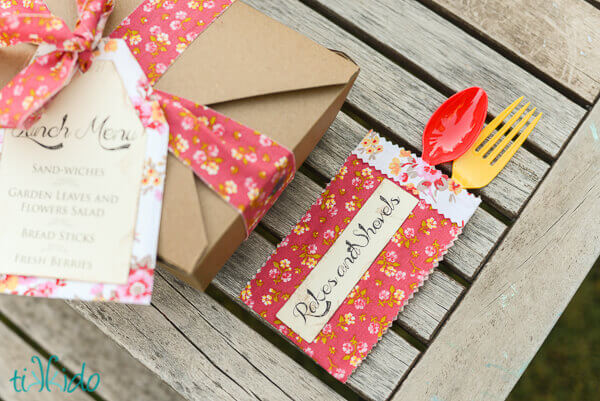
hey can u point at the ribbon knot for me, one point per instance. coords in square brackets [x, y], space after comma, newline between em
[60, 49]
[92, 17]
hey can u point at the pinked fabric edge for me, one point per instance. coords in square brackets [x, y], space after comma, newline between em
[419, 177]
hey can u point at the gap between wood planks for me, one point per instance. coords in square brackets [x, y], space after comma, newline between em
[509, 54]
[497, 244]
[467, 28]
[43, 353]
[422, 74]
[189, 340]
[256, 324]
[467, 285]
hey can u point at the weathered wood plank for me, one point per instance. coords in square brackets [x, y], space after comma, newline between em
[560, 37]
[16, 356]
[389, 362]
[377, 376]
[233, 347]
[59, 329]
[161, 347]
[402, 103]
[430, 306]
[201, 350]
[470, 250]
[489, 340]
[457, 60]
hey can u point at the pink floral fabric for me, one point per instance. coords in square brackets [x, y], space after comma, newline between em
[383, 291]
[138, 289]
[245, 168]
[158, 31]
[32, 22]
[424, 180]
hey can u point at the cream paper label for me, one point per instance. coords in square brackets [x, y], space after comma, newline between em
[70, 184]
[315, 301]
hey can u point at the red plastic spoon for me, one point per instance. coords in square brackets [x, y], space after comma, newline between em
[454, 126]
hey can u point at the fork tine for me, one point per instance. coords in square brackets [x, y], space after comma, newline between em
[495, 123]
[510, 136]
[502, 130]
[517, 144]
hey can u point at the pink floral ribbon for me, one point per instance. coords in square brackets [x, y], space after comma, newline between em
[32, 22]
[247, 169]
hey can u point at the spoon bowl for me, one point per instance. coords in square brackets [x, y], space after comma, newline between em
[454, 126]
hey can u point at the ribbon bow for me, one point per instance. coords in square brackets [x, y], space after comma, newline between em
[64, 50]
[245, 168]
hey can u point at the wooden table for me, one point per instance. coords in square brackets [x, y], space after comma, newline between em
[472, 329]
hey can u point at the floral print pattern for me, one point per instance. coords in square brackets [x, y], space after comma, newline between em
[158, 31]
[244, 167]
[62, 51]
[385, 288]
[421, 179]
[138, 289]
[247, 169]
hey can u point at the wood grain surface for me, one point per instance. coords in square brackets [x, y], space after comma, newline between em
[401, 104]
[559, 37]
[489, 340]
[193, 348]
[74, 340]
[458, 61]
[478, 331]
[16, 356]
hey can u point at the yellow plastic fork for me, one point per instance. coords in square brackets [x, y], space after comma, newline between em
[481, 164]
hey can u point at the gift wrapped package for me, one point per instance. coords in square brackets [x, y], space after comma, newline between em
[251, 69]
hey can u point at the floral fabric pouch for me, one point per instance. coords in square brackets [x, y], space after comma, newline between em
[336, 283]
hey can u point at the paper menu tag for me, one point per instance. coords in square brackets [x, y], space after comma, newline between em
[69, 185]
[315, 301]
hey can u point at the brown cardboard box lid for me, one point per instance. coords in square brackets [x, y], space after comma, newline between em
[244, 54]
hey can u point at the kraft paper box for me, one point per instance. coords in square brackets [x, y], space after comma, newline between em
[254, 70]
